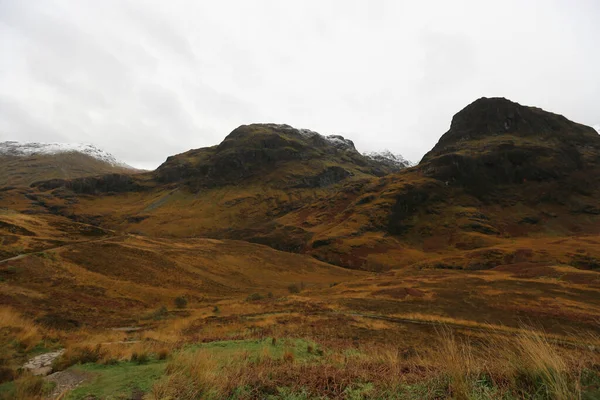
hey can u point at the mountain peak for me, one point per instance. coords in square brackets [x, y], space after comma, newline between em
[21, 149]
[22, 164]
[496, 141]
[389, 158]
[263, 130]
[276, 153]
[490, 117]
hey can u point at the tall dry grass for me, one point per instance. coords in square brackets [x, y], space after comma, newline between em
[498, 367]
[26, 332]
[516, 365]
[459, 363]
[191, 376]
[542, 363]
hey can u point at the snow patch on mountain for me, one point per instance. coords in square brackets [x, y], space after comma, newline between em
[387, 157]
[18, 149]
[597, 128]
[337, 141]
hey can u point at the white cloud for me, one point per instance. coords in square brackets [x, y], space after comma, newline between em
[147, 79]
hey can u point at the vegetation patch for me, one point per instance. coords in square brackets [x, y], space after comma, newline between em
[118, 381]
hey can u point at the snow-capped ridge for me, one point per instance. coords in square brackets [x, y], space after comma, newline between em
[18, 149]
[597, 128]
[337, 141]
[386, 156]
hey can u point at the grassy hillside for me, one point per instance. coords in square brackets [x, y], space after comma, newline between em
[474, 275]
[23, 171]
[502, 173]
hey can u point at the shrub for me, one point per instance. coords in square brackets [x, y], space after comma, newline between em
[293, 288]
[110, 361]
[6, 374]
[139, 358]
[78, 355]
[158, 314]
[57, 321]
[30, 387]
[47, 256]
[254, 297]
[216, 309]
[181, 302]
[270, 295]
[162, 354]
[288, 356]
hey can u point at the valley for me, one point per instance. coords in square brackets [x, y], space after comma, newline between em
[282, 263]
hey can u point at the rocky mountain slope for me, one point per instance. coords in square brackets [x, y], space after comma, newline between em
[280, 155]
[502, 171]
[497, 227]
[25, 163]
[389, 158]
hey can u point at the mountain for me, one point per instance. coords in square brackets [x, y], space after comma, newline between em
[25, 163]
[279, 155]
[502, 171]
[235, 190]
[498, 224]
[388, 158]
[496, 141]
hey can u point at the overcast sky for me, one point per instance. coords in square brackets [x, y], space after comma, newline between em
[147, 79]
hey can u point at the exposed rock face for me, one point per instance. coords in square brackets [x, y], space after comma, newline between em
[329, 176]
[487, 117]
[408, 202]
[42, 364]
[113, 183]
[495, 141]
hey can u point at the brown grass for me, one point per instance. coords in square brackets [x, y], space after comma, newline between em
[24, 330]
[29, 387]
[539, 359]
[453, 366]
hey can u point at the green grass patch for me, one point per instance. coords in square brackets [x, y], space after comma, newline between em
[303, 350]
[117, 381]
[7, 390]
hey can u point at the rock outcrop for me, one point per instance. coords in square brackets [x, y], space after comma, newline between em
[495, 141]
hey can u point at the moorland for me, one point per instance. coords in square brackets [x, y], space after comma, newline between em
[285, 264]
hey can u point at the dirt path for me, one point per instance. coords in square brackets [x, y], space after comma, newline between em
[60, 247]
[14, 258]
[65, 381]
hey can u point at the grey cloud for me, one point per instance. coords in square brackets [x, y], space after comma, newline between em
[14, 117]
[147, 79]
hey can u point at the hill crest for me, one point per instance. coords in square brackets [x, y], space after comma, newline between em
[275, 153]
[26, 149]
[25, 163]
